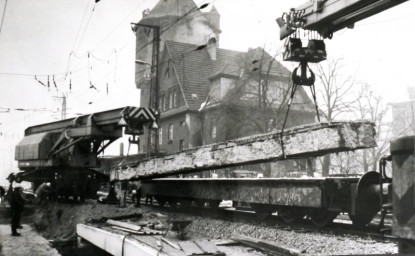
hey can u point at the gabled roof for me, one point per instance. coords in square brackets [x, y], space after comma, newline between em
[195, 69]
[175, 8]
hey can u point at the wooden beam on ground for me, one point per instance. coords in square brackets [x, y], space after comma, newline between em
[126, 225]
[270, 247]
[298, 142]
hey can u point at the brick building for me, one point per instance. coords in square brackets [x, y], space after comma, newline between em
[208, 94]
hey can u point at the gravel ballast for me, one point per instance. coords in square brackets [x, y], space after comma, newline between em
[310, 242]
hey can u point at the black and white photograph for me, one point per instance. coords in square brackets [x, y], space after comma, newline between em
[207, 127]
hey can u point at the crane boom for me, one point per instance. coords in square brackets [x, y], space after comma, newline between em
[329, 16]
[77, 141]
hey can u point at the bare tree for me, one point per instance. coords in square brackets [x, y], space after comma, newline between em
[333, 91]
[371, 107]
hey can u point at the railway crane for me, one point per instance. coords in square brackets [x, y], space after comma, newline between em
[66, 152]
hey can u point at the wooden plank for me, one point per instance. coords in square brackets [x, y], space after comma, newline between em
[124, 225]
[156, 242]
[207, 246]
[303, 141]
[226, 242]
[170, 243]
[267, 246]
[146, 232]
[190, 248]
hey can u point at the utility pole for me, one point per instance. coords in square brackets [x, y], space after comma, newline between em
[154, 83]
[63, 116]
[63, 107]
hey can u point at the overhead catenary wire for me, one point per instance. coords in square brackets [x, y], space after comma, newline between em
[85, 29]
[165, 28]
[76, 38]
[89, 66]
[4, 14]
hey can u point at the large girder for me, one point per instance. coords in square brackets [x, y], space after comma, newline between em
[298, 142]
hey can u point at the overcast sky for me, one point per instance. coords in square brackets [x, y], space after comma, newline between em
[37, 37]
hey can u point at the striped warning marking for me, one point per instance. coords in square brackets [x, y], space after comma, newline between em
[141, 113]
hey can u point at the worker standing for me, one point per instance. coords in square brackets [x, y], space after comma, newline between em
[42, 192]
[2, 194]
[16, 206]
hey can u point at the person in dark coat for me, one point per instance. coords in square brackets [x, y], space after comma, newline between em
[2, 194]
[42, 192]
[16, 206]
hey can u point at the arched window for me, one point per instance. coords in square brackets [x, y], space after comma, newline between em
[161, 102]
[170, 100]
[165, 99]
[160, 135]
[213, 129]
[175, 98]
[170, 134]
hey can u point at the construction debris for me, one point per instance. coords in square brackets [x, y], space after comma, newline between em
[124, 225]
[272, 248]
[309, 140]
[144, 232]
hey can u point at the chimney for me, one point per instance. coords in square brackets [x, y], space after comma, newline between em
[211, 48]
[146, 12]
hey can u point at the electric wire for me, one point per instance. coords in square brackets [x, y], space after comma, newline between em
[86, 28]
[119, 24]
[4, 14]
[117, 64]
[165, 28]
[76, 38]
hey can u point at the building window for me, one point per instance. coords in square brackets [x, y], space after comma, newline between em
[152, 138]
[160, 135]
[163, 100]
[181, 145]
[166, 102]
[175, 98]
[213, 129]
[167, 72]
[170, 100]
[170, 134]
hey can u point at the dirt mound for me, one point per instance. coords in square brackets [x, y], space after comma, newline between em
[57, 221]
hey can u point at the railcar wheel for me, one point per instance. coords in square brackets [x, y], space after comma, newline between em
[161, 200]
[361, 220]
[323, 218]
[290, 216]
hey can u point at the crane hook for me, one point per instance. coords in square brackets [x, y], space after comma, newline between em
[302, 79]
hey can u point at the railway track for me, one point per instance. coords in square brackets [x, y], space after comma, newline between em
[340, 226]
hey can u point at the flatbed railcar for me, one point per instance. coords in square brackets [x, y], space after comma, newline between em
[322, 199]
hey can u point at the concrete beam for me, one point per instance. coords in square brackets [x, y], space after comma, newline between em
[302, 141]
[115, 244]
